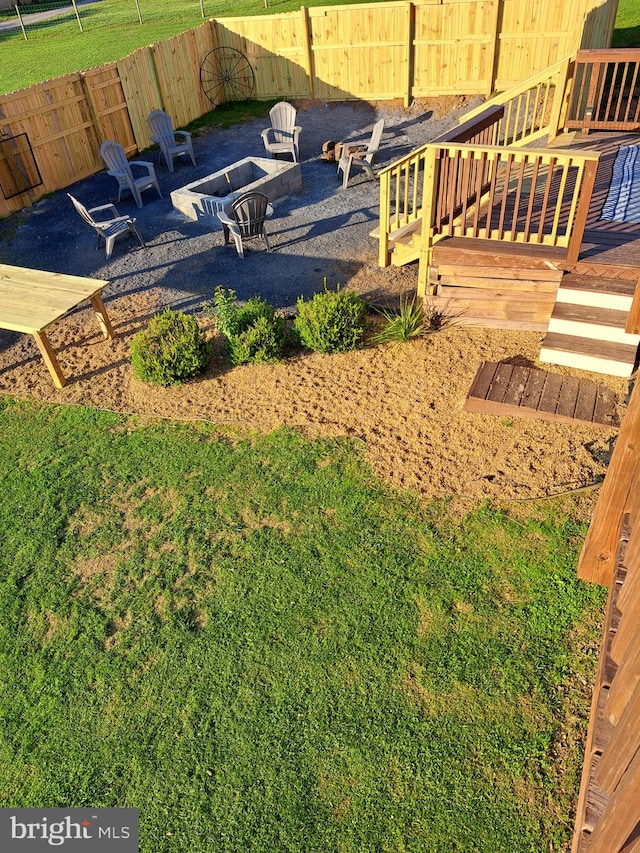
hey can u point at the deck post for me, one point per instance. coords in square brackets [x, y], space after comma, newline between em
[431, 188]
[383, 223]
[582, 212]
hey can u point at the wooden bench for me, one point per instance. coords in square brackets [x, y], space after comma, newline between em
[31, 300]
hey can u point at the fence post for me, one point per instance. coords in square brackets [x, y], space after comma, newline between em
[410, 24]
[306, 26]
[138, 11]
[495, 41]
[75, 9]
[24, 32]
[202, 8]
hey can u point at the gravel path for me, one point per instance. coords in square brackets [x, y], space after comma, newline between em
[319, 232]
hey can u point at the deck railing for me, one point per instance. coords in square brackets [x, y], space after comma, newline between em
[533, 109]
[402, 184]
[518, 195]
[440, 186]
[608, 812]
[606, 90]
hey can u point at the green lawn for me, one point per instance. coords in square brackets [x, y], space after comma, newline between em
[627, 32]
[112, 30]
[262, 647]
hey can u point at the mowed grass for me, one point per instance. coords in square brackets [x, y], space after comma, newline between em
[261, 647]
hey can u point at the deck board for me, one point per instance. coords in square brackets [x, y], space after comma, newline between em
[605, 242]
[514, 390]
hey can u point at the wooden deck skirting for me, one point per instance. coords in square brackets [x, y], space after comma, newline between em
[526, 392]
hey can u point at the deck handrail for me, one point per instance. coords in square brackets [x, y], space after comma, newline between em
[533, 108]
[520, 116]
[605, 94]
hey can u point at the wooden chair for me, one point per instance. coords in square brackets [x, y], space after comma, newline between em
[173, 143]
[121, 169]
[244, 219]
[362, 158]
[282, 137]
[109, 228]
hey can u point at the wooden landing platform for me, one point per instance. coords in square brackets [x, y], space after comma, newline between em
[526, 392]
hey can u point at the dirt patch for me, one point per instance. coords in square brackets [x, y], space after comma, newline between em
[404, 402]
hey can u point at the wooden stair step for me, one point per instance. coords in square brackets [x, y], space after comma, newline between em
[503, 389]
[610, 358]
[589, 321]
[404, 254]
[600, 349]
[617, 286]
[590, 314]
[464, 250]
[404, 233]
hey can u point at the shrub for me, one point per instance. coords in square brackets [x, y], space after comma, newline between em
[332, 321]
[170, 350]
[253, 331]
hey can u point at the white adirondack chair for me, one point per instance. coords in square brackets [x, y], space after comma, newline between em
[282, 137]
[108, 227]
[362, 158]
[173, 143]
[121, 169]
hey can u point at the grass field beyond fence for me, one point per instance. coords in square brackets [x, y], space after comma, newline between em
[261, 647]
[111, 30]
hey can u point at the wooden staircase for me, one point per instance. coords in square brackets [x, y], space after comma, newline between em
[587, 326]
[506, 286]
[405, 244]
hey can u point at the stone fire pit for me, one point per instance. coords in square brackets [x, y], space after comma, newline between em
[201, 198]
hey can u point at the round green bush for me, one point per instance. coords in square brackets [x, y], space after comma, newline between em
[253, 331]
[170, 350]
[332, 321]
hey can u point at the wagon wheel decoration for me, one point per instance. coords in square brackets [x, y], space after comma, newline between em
[225, 75]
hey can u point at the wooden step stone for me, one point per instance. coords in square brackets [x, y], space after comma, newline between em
[527, 392]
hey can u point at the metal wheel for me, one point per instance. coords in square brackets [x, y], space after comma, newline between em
[225, 75]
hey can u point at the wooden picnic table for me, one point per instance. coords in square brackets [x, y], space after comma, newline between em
[31, 300]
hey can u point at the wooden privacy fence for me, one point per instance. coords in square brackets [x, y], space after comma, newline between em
[376, 51]
[608, 813]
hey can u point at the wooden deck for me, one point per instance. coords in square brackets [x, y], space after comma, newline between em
[608, 248]
[526, 392]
